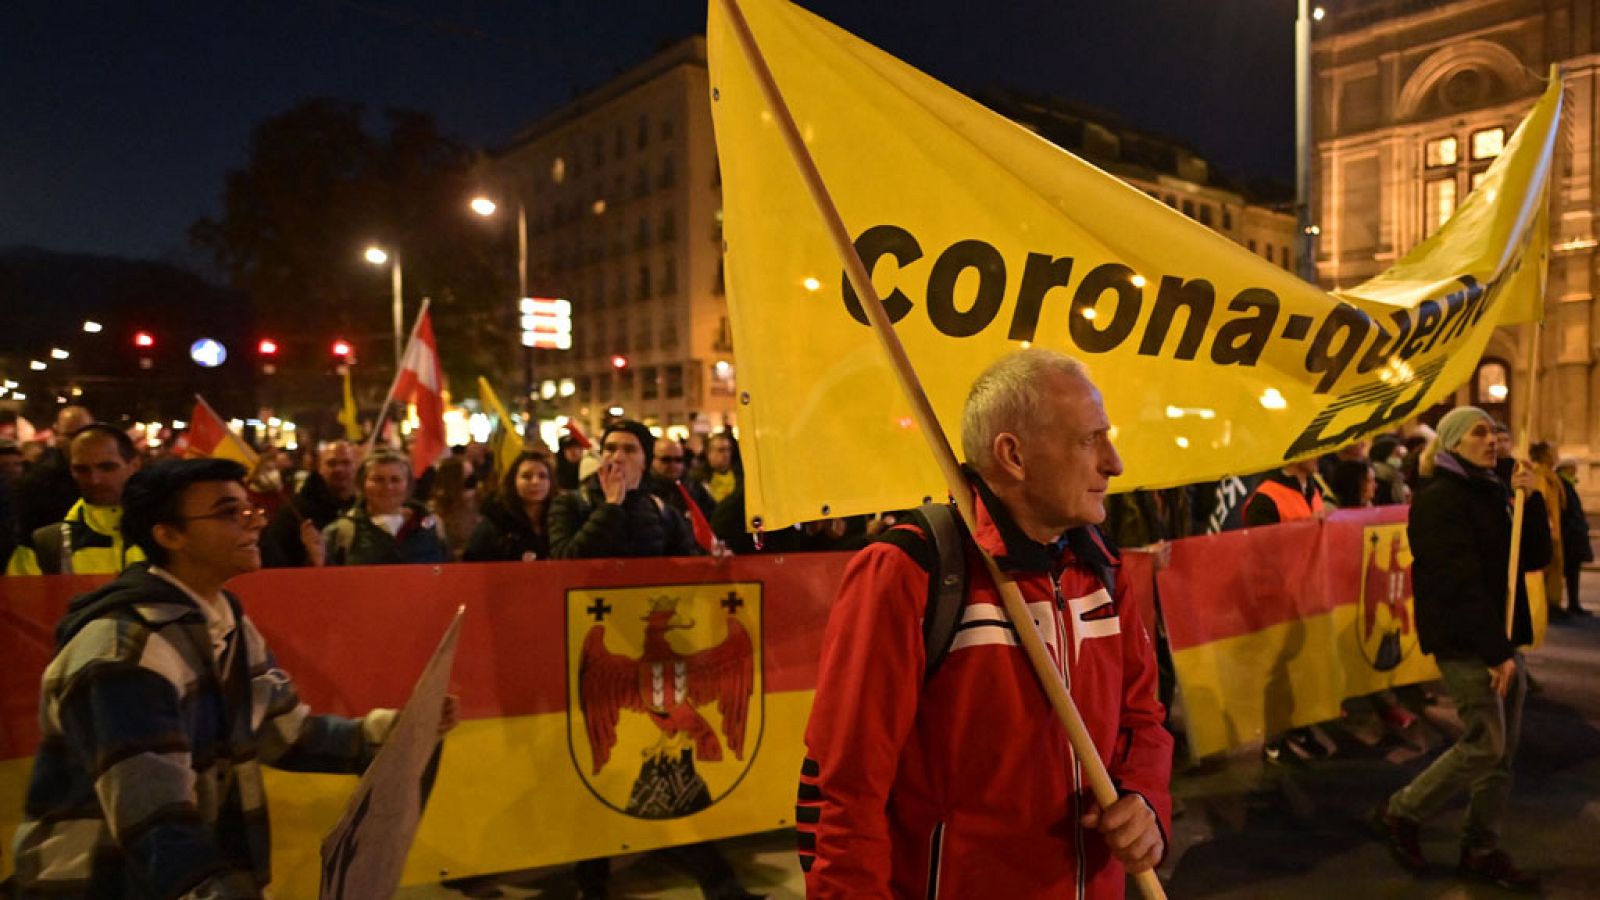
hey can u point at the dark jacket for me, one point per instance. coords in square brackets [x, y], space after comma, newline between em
[280, 541]
[44, 494]
[504, 534]
[1575, 545]
[355, 540]
[667, 490]
[1460, 534]
[584, 526]
[135, 708]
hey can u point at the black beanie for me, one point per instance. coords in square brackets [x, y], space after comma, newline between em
[637, 429]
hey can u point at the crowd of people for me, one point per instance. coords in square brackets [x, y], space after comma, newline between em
[88, 499]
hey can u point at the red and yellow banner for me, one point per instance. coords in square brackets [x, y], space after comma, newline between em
[520, 783]
[1295, 619]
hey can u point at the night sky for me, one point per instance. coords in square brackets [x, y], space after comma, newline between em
[119, 121]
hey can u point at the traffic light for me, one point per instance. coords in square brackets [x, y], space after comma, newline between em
[267, 347]
[341, 348]
[143, 339]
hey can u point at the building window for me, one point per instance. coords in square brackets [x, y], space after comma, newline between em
[646, 335]
[558, 170]
[667, 128]
[721, 286]
[669, 332]
[1251, 244]
[585, 389]
[669, 173]
[669, 226]
[674, 381]
[722, 383]
[1488, 143]
[599, 150]
[716, 228]
[1205, 214]
[644, 132]
[669, 276]
[652, 388]
[1441, 152]
[1227, 219]
[619, 335]
[1188, 208]
[641, 235]
[644, 281]
[1438, 203]
[1172, 200]
[621, 295]
[1476, 178]
[624, 392]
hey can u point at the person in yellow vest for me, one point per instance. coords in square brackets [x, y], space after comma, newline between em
[88, 540]
[1287, 494]
[722, 471]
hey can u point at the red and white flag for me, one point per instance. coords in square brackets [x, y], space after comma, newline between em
[421, 381]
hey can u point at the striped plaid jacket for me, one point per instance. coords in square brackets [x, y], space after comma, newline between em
[147, 782]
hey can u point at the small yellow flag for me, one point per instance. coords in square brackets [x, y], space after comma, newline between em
[506, 443]
[349, 416]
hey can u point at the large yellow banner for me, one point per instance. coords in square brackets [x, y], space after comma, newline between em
[983, 238]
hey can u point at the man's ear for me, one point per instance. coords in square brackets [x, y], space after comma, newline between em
[170, 537]
[1007, 453]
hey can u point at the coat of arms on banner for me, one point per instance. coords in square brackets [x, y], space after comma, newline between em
[664, 693]
[1386, 629]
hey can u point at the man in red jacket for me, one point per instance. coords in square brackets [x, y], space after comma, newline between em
[963, 783]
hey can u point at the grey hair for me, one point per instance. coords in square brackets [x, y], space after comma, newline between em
[383, 456]
[1006, 398]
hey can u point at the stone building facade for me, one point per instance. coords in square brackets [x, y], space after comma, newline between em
[1413, 99]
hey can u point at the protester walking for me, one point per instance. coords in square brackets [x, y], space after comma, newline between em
[1575, 546]
[1460, 536]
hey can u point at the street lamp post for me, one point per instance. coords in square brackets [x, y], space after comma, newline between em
[377, 256]
[486, 207]
[1305, 230]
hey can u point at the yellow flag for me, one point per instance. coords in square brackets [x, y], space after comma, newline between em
[349, 416]
[981, 237]
[506, 443]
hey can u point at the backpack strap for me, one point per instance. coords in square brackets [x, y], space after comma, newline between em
[940, 550]
[947, 582]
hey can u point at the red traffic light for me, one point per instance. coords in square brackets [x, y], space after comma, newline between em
[267, 347]
[144, 339]
[619, 362]
[341, 347]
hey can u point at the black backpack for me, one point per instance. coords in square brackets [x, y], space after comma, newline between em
[942, 553]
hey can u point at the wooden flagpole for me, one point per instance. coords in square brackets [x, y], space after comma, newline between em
[388, 399]
[1105, 792]
[1518, 506]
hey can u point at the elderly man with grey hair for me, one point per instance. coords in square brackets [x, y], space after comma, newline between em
[935, 769]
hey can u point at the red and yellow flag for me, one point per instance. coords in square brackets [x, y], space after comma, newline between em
[209, 435]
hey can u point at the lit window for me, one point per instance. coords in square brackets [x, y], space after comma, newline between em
[1441, 152]
[558, 170]
[1477, 178]
[1488, 143]
[1438, 203]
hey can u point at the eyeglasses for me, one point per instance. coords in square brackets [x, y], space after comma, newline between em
[238, 515]
[670, 460]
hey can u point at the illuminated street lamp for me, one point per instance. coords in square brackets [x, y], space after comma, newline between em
[377, 256]
[92, 327]
[486, 207]
[58, 353]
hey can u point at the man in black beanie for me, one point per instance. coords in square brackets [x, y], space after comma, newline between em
[611, 514]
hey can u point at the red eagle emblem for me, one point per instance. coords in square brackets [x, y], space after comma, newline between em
[667, 686]
[1388, 586]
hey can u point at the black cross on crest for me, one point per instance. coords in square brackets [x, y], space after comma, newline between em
[600, 609]
[732, 602]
